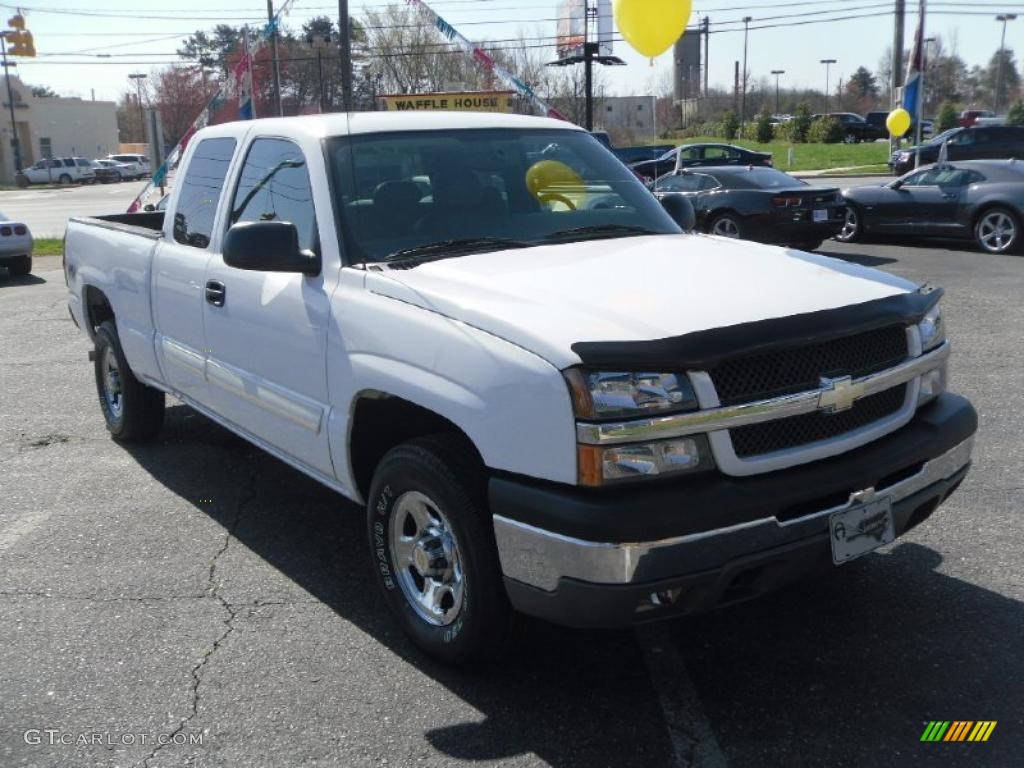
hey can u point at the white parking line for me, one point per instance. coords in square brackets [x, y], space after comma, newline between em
[693, 742]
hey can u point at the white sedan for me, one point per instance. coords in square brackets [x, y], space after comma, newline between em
[15, 246]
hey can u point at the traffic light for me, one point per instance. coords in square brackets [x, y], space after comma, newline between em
[19, 39]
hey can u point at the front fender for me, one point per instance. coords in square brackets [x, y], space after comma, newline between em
[512, 404]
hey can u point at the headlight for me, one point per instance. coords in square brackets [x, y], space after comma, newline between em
[605, 465]
[903, 157]
[932, 329]
[623, 395]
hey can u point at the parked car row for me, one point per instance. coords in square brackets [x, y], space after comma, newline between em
[80, 170]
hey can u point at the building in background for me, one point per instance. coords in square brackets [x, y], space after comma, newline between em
[54, 127]
[628, 117]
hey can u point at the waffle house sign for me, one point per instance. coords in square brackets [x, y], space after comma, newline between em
[470, 101]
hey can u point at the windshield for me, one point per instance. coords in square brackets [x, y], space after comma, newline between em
[944, 136]
[467, 190]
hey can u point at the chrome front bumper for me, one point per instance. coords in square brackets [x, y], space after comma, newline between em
[540, 559]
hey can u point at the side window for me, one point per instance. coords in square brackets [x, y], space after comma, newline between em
[274, 186]
[683, 183]
[201, 190]
[691, 154]
[720, 153]
[69, 163]
[708, 183]
[920, 179]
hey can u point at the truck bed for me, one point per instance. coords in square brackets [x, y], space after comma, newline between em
[148, 224]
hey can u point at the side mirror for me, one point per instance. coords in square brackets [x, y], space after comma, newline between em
[149, 207]
[268, 246]
[681, 211]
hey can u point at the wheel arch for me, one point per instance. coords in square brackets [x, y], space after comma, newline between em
[379, 421]
[96, 308]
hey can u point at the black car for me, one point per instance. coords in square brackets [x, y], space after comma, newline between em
[762, 204]
[981, 200]
[699, 155]
[855, 128]
[988, 142]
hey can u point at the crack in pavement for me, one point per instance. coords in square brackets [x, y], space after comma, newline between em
[212, 590]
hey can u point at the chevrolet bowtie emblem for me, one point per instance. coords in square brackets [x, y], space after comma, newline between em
[839, 394]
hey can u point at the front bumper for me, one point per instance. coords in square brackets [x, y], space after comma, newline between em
[591, 559]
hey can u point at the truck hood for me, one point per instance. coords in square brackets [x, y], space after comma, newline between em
[547, 298]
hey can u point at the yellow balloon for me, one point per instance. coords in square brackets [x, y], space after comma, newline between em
[652, 26]
[552, 176]
[898, 122]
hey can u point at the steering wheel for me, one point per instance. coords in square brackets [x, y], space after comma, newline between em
[554, 197]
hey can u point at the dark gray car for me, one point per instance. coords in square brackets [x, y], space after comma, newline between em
[981, 200]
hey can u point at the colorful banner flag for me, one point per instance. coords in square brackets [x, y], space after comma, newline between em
[243, 81]
[218, 100]
[913, 87]
[484, 59]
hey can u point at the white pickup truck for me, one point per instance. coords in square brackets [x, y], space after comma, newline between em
[548, 396]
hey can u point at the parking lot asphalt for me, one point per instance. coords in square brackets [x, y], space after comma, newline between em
[197, 586]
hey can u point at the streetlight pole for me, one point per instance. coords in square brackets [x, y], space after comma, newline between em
[1003, 17]
[138, 77]
[777, 72]
[743, 97]
[828, 64]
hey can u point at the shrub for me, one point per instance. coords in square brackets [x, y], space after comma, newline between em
[800, 125]
[765, 132]
[730, 125]
[948, 117]
[826, 130]
[1016, 114]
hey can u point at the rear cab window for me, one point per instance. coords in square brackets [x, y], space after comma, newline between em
[200, 192]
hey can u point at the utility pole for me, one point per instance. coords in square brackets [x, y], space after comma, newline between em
[896, 77]
[344, 29]
[736, 87]
[777, 72]
[743, 98]
[1003, 53]
[15, 141]
[318, 42]
[138, 77]
[828, 65]
[278, 106]
[707, 52]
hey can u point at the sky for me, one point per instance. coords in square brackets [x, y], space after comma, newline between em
[136, 35]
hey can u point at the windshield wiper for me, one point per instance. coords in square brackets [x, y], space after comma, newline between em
[600, 230]
[445, 248]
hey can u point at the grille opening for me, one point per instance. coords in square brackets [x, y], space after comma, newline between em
[795, 431]
[898, 477]
[788, 371]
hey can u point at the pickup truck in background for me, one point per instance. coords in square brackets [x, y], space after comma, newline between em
[547, 395]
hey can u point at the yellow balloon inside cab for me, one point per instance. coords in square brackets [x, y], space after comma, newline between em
[552, 181]
[652, 26]
[898, 122]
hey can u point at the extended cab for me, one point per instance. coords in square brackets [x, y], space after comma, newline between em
[547, 395]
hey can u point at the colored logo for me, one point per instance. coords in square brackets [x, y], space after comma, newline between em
[958, 730]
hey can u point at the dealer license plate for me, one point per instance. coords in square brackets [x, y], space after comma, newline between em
[860, 529]
[820, 214]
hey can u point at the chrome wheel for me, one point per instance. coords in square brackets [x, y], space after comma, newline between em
[851, 226]
[725, 227]
[426, 557]
[996, 231]
[112, 392]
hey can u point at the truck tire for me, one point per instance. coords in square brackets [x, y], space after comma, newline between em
[133, 411]
[433, 550]
[21, 267]
[64, 179]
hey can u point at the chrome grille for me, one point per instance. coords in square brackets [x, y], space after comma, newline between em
[771, 436]
[800, 369]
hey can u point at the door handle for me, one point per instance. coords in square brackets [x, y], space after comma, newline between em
[215, 293]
